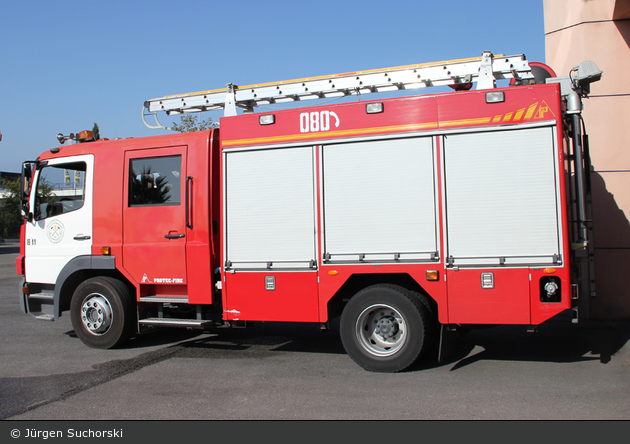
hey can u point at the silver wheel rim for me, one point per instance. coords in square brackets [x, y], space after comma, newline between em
[96, 314]
[381, 330]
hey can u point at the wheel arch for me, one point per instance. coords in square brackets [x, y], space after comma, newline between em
[79, 270]
[359, 281]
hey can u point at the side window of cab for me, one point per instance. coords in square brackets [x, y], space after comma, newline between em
[155, 181]
[60, 189]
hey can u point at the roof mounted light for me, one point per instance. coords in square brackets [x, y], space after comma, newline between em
[267, 119]
[374, 108]
[84, 136]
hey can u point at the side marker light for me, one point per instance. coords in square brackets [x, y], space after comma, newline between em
[495, 97]
[433, 275]
[267, 119]
[374, 108]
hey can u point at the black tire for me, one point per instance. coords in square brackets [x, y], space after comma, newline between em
[101, 312]
[385, 328]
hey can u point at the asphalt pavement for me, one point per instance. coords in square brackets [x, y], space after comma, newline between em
[277, 371]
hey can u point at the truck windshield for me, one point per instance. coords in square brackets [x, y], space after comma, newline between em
[60, 189]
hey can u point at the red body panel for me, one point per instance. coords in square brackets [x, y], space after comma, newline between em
[294, 297]
[506, 303]
[19, 261]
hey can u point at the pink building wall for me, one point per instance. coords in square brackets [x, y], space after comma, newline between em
[599, 30]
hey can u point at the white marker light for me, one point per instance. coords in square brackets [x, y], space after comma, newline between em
[495, 97]
[374, 108]
[267, 119]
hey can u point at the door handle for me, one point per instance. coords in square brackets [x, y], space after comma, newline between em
[189, 202]
[81, 237]
[174, 236]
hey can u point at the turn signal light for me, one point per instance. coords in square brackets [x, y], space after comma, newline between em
[549, 270]
[333, 272]
[433, 275]
[106, 251]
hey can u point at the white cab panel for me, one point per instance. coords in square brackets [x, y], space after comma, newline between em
[61, 229]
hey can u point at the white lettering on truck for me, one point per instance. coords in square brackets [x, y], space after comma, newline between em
[317, 121]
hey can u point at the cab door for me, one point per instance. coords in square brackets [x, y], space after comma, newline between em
[60, 226]
[154, 216]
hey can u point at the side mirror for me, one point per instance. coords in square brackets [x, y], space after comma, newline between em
[25, 188]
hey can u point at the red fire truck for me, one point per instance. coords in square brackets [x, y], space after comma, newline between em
[407, 216]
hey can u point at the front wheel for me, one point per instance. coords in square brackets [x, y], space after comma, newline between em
[101, 312]
[384, 328]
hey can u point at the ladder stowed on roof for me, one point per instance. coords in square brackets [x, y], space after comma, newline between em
[485, 70]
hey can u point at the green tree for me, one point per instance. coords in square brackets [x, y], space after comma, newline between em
[95, 131]
[149, 188]
[190, 123]
[10, 217]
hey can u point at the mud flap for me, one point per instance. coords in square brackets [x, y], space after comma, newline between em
[448, 342]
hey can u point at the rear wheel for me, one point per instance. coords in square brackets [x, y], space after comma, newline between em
[101, 312]
[385, 328]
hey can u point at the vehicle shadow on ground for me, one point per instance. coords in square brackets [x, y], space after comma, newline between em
[271, 336]
[156, 338]
[557, 340]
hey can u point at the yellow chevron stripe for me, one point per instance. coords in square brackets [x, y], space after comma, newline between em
[530, 111]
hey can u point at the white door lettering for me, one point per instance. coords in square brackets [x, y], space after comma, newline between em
[317, 121]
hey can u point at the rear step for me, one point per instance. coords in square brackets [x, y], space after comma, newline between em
[172, 322]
